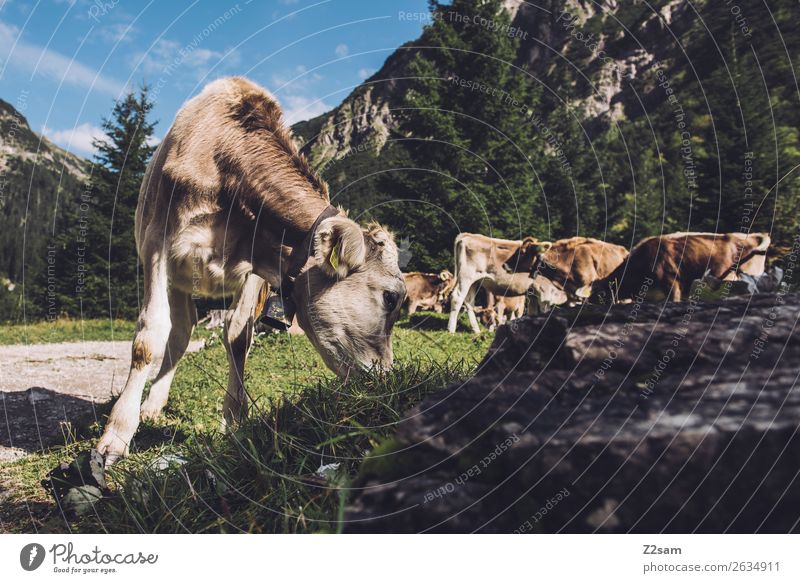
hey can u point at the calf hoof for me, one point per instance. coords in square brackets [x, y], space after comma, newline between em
[151, 412]
[112, 447]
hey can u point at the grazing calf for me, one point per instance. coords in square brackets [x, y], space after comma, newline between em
[428, 291]
[664, 267]
[228, 207]
[479, 262]
[544, 295]
[505, 309]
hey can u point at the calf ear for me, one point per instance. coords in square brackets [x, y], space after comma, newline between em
[339, 246]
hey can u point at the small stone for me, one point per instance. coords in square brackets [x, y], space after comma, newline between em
[81, 500]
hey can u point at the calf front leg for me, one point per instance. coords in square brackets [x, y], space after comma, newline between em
[149, 343]
[183, 316]
[238, 337]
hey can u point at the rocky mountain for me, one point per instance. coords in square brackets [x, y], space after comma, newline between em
[35, 177]
[575, 49]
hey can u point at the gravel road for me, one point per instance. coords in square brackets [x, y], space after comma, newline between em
[42, 386]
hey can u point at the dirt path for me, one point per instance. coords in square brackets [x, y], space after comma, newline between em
[45, 387]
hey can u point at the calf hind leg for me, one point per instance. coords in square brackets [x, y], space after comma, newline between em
[238, 338]
[469, 305]
[457, 299]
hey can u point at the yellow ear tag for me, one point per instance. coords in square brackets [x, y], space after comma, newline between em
[333, 258]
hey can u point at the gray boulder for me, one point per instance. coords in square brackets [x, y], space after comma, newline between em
[676, 417]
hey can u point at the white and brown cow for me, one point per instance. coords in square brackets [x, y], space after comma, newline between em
[428, 291]
[227, 204]
[479, 263]
[664, 267]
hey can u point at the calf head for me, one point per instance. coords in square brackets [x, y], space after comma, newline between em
[543, 295]
[487, 317]
[349, 295]
[527, 257]
[446, 285]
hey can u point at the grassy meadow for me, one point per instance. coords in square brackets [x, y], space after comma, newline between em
[184, 475]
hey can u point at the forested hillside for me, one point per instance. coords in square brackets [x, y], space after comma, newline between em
[563, 118]
[34, 175]
[66, 224]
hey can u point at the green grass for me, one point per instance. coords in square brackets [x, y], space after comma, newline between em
[260, 478]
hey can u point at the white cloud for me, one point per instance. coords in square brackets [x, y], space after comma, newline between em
[32, 58]
[364, 73]
[297, 108]
[169, 56]
[77, 139]
[114, 33]
[295, 80]
[341, 50]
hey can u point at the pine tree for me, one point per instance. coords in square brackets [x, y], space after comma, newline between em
[474, 152]
[96, 262]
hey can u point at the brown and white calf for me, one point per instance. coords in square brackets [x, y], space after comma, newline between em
[505, 309]
[664, 267]
[227, 204]
[479, 263]
[428, 291]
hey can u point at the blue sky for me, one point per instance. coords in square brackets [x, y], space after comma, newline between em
[64, 62]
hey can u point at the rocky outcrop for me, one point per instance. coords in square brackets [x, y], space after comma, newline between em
[636, 418]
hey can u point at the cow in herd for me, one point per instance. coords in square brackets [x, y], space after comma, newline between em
[228, 206]
[479, 262]
[664, 267]
[427, 291]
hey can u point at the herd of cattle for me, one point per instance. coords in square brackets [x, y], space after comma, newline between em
[543, 274]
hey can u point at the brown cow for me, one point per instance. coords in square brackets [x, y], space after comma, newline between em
[664, 267]
[428, 291]
[227, 204]
[479, 262]
[570, 264]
